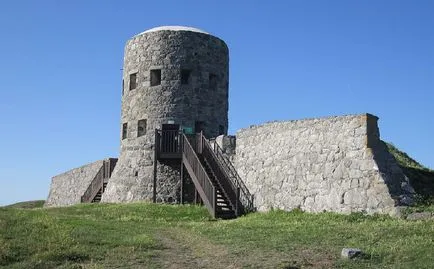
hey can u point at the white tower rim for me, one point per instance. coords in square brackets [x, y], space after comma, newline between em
[173, 28]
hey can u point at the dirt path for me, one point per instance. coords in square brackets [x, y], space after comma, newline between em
[184, 249]
[187, 249]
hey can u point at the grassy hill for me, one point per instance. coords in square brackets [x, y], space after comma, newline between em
[145, 235]
[421, 177]
[28, 204]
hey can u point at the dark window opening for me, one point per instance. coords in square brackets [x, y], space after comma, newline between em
[136, 173]
[185, 76]
[133, 81]
[199, 126]
[155, 77]
[212, 81]
[123, 87]
[124, 130]
[227, 90]
[221, 129]
[141, 128]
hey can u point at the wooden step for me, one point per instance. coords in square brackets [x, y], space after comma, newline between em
[98, 195]
[224, 208]
[225, 214]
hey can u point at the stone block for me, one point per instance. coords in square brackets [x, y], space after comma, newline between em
[350, 253]
[420, 216]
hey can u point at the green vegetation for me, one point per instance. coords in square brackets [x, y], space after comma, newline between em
[145, 235]
[28, 204]
[404, 160]
[421, 177]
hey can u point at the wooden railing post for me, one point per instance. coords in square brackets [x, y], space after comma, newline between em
[237, 206]
[199, 143]
[103, 174]
[181, 143]
[156, 150]
[215, 203]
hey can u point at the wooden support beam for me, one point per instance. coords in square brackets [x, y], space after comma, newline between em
[182, 183]
[154, 193]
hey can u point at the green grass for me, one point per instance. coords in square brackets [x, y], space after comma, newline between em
[145, 235]
[142, 235]
[404, 159]
[421, 177]
[28, 204]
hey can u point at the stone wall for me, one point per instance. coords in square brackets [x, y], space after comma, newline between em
[330, 164]
[67, 188]
[228, 145]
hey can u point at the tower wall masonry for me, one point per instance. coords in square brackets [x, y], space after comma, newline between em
[180, 75]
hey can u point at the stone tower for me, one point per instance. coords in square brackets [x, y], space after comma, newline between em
[171, 75]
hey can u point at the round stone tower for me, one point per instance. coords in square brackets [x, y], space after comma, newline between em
[172, 75]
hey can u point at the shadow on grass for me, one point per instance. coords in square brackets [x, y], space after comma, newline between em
[69, 256]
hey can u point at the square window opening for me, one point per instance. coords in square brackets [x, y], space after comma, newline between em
[141, 128]
[124, 130]
[155, 77]
[133, 81]
[221, 130]
[212, 81]
[199, 126]
[185, 76]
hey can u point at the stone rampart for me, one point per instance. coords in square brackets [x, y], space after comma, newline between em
[67, 188]
[329, 164]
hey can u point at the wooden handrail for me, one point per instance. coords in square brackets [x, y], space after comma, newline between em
[96, 184]
[197, 153]
[240, 190]
[199, 176]
[222, 178]
[98, 181]
[168, 141]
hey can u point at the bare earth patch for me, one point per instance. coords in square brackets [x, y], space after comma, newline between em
[184, 249]
[190, 250]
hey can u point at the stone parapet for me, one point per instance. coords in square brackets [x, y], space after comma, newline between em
[67, 188]
[328, 164]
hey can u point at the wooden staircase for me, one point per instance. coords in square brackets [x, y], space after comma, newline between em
[93, 193]
[215, 179]
[98, 195]
[224, 208]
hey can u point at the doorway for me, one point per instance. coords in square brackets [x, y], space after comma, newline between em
[169, 138]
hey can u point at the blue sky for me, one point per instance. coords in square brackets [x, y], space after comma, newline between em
[60, 74]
